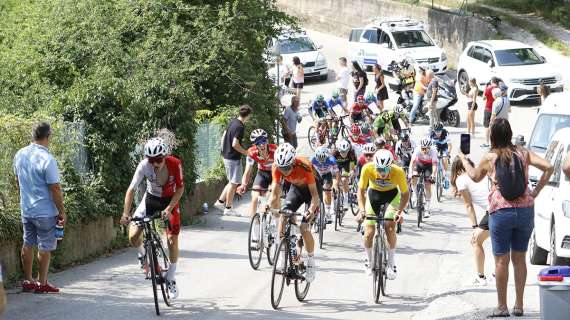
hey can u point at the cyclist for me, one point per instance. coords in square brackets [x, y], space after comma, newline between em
[318, 111]
[400, 113]
[404, 149]
[359, 112]
[327, 168]
[164, 188]
[368, 151]
[380, 144]
[356, 136]
[346, 161]
[383, 125]
[371, 99]
[336, 100]
[304, 188]
[262, 153]
[440, 137]
[382, 182]
[424, 161]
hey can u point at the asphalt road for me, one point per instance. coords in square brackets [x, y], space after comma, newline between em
[435, 265]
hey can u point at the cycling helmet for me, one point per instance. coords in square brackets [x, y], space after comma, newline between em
[335, 94]
[285, 155]
[155, 147]
[355, 129]
[380, 142]
[320, 98]
[370, 96]
[438, 126]
[404, 63]
[425, 143]
[383, 159]
[360, 98]
[399, 109]
[322, 153]
[386, 115]
[344, 146]
[256, 134]
[365, 128]
[369, 148]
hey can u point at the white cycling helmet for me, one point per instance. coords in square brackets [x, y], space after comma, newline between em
[383, 159]
[344, 146]
[322, 153]
[255, 134]
[425, 143]
[369, 148]
[155, 147]
[285, 155]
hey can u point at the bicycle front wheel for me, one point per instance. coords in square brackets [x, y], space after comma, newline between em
[163, 266]
[152, 263]
[376, 271]
[439, 185]
[420, 204]
[270, 241]
[279, 273]
[384, 266]
[322, 224]
[313, 138]
[337, 210]
[255, 246]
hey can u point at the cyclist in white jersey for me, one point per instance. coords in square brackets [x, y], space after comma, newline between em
[424, 161]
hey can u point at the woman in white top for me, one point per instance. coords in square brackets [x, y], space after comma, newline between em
[298, 76]
[473, 194]
[472, 105]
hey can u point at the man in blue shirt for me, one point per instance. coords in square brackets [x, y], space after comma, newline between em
[41, 202]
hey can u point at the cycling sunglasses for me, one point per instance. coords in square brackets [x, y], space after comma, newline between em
[286, 169]
[425, 149]
[384, 170]
[154, 160]
[261, 141]
[369, 155]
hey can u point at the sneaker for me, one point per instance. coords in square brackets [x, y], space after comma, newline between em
[480, 282]
[311, 270]
[427, 214]
[172, 289]
[328, 217]
[391, 272]
[219, 205]
[230, 212]
[46, 288]
[29, 286]
[367, 268]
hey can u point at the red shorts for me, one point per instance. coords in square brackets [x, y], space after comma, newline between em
[174, 221]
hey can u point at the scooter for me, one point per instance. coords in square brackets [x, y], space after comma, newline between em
[446, 100]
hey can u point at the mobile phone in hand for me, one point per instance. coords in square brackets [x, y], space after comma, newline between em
[465, 143]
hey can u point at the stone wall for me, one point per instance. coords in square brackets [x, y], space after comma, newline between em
[338, 17]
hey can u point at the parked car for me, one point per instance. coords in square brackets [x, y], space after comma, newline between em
[290, 44]
[519, 65]
[550, 241]
[384, 41]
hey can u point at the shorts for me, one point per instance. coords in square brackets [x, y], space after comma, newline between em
[297, 85]
[299, 195]
[487, 119]
[320, 113]
[484, 223]
[405, 160]
[510, 229]
[343, 167]
[234, 171]
[376, 199]
[424, 168]
[443, 149]
[287, 81]
[40, 232]
[150, 204]
[262, 180]
[327, 178]
[471, 105]
[356, 117]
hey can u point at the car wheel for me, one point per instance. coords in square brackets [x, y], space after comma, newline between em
[553, 258]
[325, 77]
[538, 256]
[463, 82]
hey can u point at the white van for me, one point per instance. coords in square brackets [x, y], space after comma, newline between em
[384, 41]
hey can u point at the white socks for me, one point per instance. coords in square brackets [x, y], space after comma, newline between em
[369, 255]
[170, 272]
[391, 254]
[142, 250]
[328, 209]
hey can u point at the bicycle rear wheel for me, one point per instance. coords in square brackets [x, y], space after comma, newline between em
[270, 241]
[420, 204]
[352, 198]
[337, 209]
[376, 271]
[255, 247]
[279, 273]
[151, 255]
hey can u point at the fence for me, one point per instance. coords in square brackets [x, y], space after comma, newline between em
[208, 147]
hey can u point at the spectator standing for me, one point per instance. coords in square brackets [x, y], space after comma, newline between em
[511, 207]
[291, 118]
[232, 150]
[431, 96]
[489, 99]
[473, 194]
[419, 92]
[41, 202]
[359, 79]
[298, 76]
[543, 91]
[282, 72]
[501, 106]
[381, 89]
[343, 76]
[472, 105]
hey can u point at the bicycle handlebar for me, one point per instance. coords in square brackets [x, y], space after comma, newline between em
[147, 219]
[289, 213]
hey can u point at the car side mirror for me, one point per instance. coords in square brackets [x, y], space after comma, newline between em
[320, 47]
[543, 59]
[491, 64]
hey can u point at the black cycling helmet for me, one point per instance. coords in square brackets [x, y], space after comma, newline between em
[405, 136]
[438, 126]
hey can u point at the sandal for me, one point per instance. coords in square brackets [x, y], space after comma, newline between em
[497, 313]
[518, 312]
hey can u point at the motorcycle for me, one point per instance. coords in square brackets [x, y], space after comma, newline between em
[446, 100]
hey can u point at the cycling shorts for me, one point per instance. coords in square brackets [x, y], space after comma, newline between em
[443, 149]
[320, 113]
[327, 178]
[344, 167]
[262, 180]
[376, 199]
[426, 169]
[405, 159]
[299, 195]
[356, 117]
[151, 204]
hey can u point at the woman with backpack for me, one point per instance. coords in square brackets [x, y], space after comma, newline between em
[511, 207]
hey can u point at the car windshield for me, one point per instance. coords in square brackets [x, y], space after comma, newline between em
[546, 126]
[412, 39]
[294, 45]
[518, 57]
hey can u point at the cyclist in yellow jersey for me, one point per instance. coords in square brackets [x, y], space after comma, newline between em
[381, 182]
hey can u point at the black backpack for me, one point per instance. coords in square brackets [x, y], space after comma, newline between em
[510, 177]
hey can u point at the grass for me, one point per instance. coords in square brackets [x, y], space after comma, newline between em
[557, 12]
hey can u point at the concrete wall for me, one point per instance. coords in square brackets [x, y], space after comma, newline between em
[337, 17]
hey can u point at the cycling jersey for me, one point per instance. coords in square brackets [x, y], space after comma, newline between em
[442, 141]
[429, 158]
[344, 162]
[405, 148]
[334, 102]
[328, 166]
[301, 175]
[371, 99]
[320, 109]
[357, 108]
[369, 177]
[146, 170]
[360, 141]
[253, 156]
[382, 126]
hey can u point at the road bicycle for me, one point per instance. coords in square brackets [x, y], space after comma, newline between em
[289, 266]
[379, 254]
[320, 224]
[158, 262]
[327, 132]
[352, 194]
[421, 196]
[440, 177]
[339, 208]
[262, 231]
